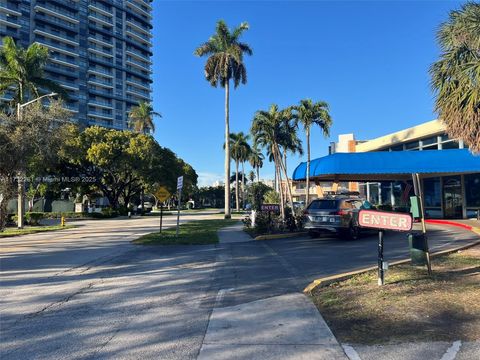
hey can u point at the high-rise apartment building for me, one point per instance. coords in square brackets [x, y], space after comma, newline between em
[100, 51]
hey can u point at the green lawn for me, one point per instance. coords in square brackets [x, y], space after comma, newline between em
[32, 230]
[199, 232]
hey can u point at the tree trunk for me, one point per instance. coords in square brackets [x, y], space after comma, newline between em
[282, 198]
[258, 174]
[227, 153]
[284, 168]
[307, 196]
[279, 181]
[243, 184]
[236, 186]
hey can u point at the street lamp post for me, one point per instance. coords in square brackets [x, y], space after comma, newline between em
[22, 172]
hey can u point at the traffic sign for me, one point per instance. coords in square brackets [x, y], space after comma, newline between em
[384, 220]
[162, 194]
[179, 182]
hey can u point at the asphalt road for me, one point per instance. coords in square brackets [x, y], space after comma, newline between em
[88, 293]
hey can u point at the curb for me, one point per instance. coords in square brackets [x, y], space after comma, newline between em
[322, 282]
[279, 236]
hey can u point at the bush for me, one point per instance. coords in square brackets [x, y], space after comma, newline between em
[33, 218]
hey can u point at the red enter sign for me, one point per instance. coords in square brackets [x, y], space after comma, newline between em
[385, 220]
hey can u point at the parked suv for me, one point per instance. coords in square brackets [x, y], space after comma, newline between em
[337, 215]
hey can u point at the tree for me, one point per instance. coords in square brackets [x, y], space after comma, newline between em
[268, 130]
[251, 176]
[256, 160]
[308, 114]
[30, 144]
[141, 118]
[239, 152]
[225, 54]
[456, 75]
[22, 71]
[123, 163]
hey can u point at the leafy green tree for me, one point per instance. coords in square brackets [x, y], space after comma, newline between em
[456, 75]
[141, 118]
[22, 71]
[225, 54]
[121, 163]
[309, 114]
[30, 144]
[256, 193]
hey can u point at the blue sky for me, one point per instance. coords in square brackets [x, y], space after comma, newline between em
[368, 60]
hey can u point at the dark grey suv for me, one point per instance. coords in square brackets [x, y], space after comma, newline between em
[337, 215]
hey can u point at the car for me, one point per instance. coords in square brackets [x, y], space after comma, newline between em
[337, 215]
[148, 206]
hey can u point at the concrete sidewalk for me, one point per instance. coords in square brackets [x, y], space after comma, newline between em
[233, 234]
[282, 327]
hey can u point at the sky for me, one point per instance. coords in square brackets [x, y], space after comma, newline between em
[368, 60]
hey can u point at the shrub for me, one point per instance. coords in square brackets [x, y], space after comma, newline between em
[33, 218]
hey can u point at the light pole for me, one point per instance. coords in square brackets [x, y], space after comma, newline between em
[22, 172]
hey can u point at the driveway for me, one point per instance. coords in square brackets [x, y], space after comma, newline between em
[88, 293]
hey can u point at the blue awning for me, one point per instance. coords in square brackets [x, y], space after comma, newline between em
[389, 165]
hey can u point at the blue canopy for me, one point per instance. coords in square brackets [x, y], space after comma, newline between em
[389, 165]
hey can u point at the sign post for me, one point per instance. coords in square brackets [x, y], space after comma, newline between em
[179, 192]
[162, 194]
[383, 220]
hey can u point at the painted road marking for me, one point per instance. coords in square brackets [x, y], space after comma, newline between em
[351, 352]
[452, 351]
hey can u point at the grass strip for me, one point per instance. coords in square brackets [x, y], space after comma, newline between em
[32, 230]
[411, 306]
[200, 232]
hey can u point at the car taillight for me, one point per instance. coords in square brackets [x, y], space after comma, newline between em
[341, 212]
[305, 212]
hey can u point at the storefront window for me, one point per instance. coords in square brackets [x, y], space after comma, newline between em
[374, 199]
[386, 193]
[472, 190]
[432, 192]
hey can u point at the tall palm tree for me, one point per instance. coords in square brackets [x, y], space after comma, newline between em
[308, 114]
[291, 143]
[256, 160]
[225, 62]
[22, 72]
[141, 117]
[456, 75]
[268, 132]
[239, 150]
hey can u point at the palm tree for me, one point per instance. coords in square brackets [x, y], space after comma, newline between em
[239, 150]
[290, 143]
[309, 113]
[456, 76]
[251, 176]
[141, 117]
[256, 160]
[225, 62]
[22, 72]
[268, 131]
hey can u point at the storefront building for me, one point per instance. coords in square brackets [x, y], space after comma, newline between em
[455, 196]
